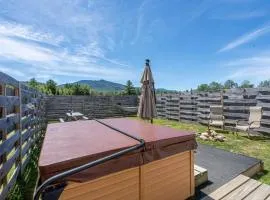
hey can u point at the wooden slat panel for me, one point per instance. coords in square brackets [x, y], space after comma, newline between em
[25, 162]
[26, 148]
[8, 101]
[10, 184]
[8, 145]
[9, 120]
[7, 165]
[168, 178]
[173, 160]
[114, 186]
[27, 134]
[192, 177]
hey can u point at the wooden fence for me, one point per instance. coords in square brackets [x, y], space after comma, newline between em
[91, 106]
[196, 107]
[22, 124]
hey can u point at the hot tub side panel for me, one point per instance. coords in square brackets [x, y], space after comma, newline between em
[169, 178]
[121, 185]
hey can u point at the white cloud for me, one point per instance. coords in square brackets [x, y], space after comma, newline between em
[40, 60]
[246, 38]
[139, 24]
[254, 68]
[251, 73]
[80, 37]
[27, 32]
[18, 50]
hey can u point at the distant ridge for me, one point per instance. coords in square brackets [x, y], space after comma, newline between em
[102, 85]
[108, 86]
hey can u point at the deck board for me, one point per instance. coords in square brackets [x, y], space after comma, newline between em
[229, 187]
[261, 193]
[242, 187]
[244, 190]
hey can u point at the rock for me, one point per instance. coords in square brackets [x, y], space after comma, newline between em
[205, 134]
[220, 137]
[213, 133]
[203, 137]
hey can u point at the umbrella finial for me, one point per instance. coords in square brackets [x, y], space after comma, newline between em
[147, 62]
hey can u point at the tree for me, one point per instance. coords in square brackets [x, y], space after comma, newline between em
[203, 88]
[230, 84]
[33, 83]
[265, 83]
[215, 86]
[246, 84]
[51, 86]
[129, 88]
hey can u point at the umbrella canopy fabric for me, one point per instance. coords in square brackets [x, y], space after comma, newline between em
[147, 107]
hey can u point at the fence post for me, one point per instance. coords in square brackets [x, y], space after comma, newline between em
[20, 129]
[3, 158]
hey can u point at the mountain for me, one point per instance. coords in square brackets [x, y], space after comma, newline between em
[108, 86]
[102, 85]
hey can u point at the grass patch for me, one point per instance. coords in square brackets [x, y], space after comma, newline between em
[256, 146]
[25, 185]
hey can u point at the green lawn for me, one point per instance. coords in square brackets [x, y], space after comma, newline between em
[258, 147]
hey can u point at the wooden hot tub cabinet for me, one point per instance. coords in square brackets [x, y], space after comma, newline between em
[120, 185]
[168, 178]
[162, 169]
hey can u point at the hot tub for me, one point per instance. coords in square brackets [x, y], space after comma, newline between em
[161, 169]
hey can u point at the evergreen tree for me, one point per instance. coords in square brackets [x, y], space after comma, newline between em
[230, 84]
[215, 86]
[265, 83]
[203, 88]
[33, 83]
[246, 84]
[51, 86]
[130, 89]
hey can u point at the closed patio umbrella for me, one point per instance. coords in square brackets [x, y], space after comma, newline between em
[147, 107]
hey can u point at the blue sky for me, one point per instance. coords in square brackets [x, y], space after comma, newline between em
[188, 41]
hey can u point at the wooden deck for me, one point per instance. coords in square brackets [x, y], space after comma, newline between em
[242, 187]
[201, 175]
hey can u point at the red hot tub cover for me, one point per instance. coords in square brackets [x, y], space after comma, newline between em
[161, 141]
[71, 144]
